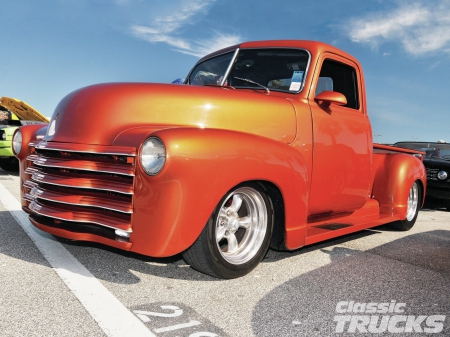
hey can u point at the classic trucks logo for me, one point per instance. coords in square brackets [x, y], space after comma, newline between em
[355, 317]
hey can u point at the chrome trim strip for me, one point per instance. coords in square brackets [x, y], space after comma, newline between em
[36, 193]
[31, 170]
[28, 197]
[29, 184]
[32, 157]
[36, 180]
[227, 72]
[41, 146]
[34, 205]
[40, 161]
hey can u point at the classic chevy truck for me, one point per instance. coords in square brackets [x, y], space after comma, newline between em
[268, 144]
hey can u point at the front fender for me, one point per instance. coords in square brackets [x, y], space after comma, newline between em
[171, 208]
[394, 176]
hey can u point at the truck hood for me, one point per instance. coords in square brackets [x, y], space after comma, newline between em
[98, 113]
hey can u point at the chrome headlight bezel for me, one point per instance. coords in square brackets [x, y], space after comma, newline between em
[442, 175]
[17, 142]
[152, 155]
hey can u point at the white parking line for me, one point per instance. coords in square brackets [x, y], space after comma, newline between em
[110, 314]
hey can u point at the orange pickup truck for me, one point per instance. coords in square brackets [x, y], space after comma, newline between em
[267, 144]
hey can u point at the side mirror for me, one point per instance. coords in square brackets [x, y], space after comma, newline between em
[326, 98]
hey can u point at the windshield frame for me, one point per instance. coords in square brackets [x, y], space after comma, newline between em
[234, 58]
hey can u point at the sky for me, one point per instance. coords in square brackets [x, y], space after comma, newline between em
[50, 48]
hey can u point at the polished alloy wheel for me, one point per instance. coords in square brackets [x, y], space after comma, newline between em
[237, 235]
[413, 202]
[241, 225]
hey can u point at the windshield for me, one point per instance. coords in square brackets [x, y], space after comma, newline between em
[432, 150]
[274, 69]
[211, 71]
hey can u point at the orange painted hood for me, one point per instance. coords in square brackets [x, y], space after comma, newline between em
[98, 113]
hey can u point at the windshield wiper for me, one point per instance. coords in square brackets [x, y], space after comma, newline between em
[253, 82]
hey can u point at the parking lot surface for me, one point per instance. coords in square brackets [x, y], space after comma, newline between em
[327, 289]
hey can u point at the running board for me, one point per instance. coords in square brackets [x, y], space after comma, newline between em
[336, 225]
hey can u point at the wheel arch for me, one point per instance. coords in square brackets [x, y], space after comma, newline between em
[394, 176]
[278, 241]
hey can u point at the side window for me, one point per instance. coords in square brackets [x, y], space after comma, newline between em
[336, 76]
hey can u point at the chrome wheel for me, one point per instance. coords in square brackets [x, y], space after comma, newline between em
[413, 205]
[241, 225]
[413, 202]
[237, 235]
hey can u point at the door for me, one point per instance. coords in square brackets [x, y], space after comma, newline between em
[342, 151]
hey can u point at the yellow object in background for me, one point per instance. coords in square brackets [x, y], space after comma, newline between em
[22, 110]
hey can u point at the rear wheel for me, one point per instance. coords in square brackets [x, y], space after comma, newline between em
[414, 198]
[237, 234]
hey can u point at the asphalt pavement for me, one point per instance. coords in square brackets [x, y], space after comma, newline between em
[376, 282]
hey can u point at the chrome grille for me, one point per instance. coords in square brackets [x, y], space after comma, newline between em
[432, 174]
[80, 190]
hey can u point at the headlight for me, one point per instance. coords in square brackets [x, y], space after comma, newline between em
[2, 135]
[153, 155]
[17, 142]
[442, 175]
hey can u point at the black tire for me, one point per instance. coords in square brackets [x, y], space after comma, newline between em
[233, 243]
[414, 200]
[10, 165]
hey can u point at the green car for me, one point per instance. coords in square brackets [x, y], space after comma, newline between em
[14, 113]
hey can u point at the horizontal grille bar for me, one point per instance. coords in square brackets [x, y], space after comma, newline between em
[73, 181]
[29, 184]
[79, 200]
[32, 157]
[85, 148]
[84, 217]
[82, 165]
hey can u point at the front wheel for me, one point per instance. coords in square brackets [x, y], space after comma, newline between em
[236, 236]
[414, 199]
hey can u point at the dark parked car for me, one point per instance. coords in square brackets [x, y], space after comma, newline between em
[437, 164]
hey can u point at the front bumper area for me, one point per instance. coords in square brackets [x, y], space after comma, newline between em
[438, 193]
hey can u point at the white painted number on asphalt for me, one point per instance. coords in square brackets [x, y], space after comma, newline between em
[176, 311]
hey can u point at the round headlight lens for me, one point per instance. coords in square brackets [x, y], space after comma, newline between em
[153, 155]
[17, 142]
[442, 175]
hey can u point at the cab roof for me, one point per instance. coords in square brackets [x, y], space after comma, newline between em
[314, 47]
